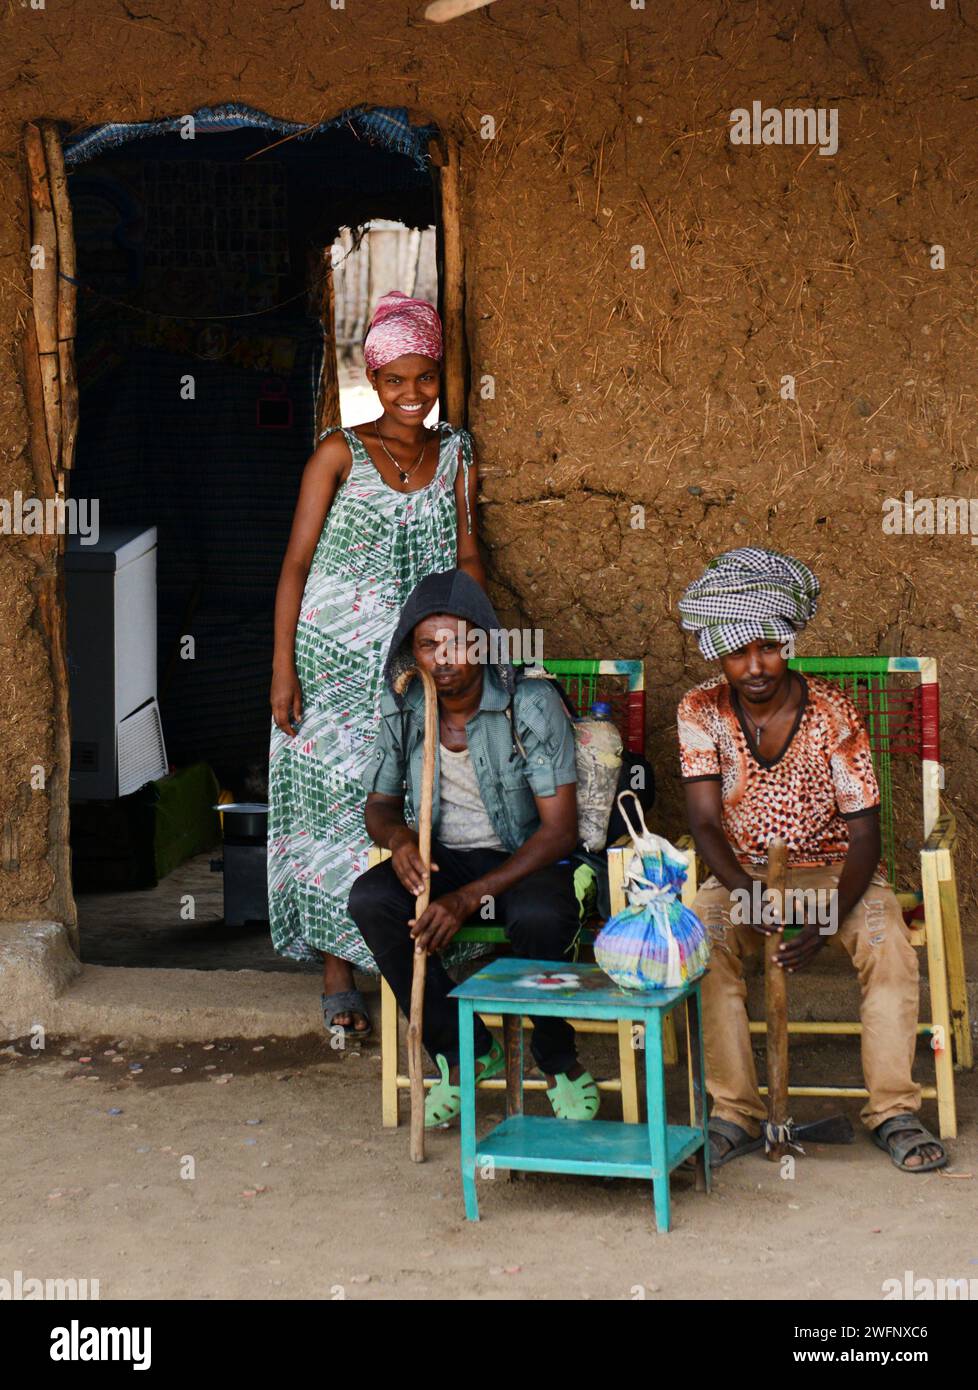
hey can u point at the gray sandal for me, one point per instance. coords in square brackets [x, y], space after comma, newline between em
[901, 1149]
[347, 1001]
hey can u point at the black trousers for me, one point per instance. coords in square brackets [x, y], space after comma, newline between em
[541, 919]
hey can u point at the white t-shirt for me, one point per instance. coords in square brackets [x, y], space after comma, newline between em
[463, 819]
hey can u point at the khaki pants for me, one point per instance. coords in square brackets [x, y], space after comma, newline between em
[878, 943]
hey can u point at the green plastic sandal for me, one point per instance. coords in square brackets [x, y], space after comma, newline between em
[574, 1100]
[444, 1101]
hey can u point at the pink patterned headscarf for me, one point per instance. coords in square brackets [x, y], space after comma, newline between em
[401, 325]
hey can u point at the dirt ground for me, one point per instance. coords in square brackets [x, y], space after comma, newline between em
[299, 1193]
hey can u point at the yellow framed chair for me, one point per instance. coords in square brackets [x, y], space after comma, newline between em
[899, 699]
[394, 1080]
[622, 685]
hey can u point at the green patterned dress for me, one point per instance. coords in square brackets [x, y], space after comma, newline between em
[376, 545]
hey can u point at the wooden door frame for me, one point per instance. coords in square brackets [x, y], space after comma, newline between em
[445, 163]
[51, 392]
[445, 155]
[51, 395]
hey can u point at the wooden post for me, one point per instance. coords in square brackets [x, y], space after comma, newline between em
[40, 447]
[452, 281]
[412, 262]
[328, 397]
[776, 1003]
[52, 409]
[67, 295]
[44, 287]
[361, 317]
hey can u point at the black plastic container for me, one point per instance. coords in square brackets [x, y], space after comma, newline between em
[245, 862]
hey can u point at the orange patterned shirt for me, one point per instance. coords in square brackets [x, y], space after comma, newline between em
[822, 778]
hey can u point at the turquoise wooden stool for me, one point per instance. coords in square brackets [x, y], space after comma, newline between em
[543, 1144]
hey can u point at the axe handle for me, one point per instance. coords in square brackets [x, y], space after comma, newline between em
[420, 970]
[776, 1001]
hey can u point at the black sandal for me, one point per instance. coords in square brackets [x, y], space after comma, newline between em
[915, 1137]
[740, 1143]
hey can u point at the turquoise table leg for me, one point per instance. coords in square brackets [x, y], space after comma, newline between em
[513, 1045]
[467, 1087]
[655, 1104]
[694, 1042]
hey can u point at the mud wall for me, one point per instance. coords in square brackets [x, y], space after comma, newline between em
[638, 290]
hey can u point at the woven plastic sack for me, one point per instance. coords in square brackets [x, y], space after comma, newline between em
[655, 942]
[598, 759]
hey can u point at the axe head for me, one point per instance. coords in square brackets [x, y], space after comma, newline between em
[833, 1129]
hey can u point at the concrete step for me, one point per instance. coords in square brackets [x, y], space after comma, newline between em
[42, 982]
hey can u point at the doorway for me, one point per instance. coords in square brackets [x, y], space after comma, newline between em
[206, 358]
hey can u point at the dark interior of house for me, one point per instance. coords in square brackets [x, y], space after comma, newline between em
[201, 266]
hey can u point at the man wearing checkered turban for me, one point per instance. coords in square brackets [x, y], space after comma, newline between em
[767, 752]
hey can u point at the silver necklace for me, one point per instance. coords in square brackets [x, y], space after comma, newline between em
[759, 728]
[403, 474]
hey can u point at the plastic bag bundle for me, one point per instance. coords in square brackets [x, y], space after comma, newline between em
[655, 942]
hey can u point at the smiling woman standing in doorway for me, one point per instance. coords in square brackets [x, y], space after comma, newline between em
[380, 507]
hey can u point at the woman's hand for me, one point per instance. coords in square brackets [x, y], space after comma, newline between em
[286, 698]
[406, 859]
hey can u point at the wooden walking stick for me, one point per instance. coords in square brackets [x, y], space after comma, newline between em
[420, 903]
[780, 1133]
[776, 1009]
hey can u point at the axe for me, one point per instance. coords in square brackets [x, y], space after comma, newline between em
[780, 1132]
